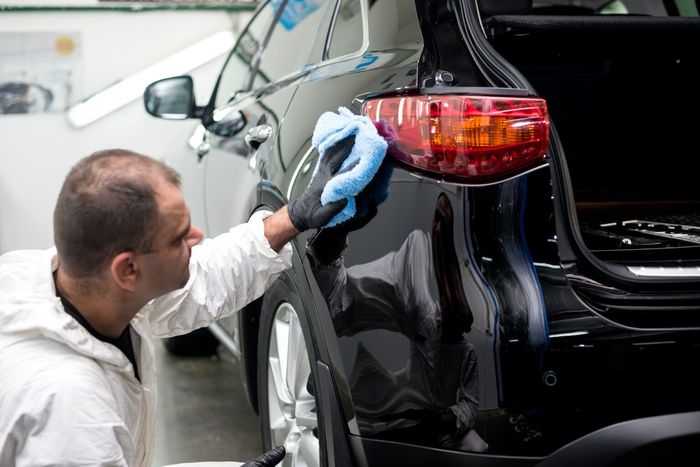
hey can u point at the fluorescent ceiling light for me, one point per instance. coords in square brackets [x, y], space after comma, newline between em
[128, 89]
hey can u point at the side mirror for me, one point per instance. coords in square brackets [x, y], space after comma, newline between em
[171, 98]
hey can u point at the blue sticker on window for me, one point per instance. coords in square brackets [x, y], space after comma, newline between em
[296, 10]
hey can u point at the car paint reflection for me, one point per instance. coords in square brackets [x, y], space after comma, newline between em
[416, 291]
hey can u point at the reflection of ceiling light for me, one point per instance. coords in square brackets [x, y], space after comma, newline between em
[128, 89]
[569, 334]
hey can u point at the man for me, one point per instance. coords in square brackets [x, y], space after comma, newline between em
[77, 376]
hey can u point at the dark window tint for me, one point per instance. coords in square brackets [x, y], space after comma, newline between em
[347, 30]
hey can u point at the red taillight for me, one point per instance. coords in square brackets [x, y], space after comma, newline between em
[465, 139]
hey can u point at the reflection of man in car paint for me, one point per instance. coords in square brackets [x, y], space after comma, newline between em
[416, 291]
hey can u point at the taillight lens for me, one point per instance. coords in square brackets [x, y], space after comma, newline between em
[471, 140]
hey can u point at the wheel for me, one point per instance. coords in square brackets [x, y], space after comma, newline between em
[285, 384]
[198, 343]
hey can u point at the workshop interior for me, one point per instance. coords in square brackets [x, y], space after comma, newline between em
[507, 267]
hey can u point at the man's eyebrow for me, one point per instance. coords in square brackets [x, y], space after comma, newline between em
[184, 231]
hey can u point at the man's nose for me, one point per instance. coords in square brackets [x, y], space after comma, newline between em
[194, 236]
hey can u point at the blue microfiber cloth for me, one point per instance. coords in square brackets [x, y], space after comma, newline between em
[361, 165]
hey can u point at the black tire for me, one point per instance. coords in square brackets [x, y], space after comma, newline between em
[282, 292]
[198, 343]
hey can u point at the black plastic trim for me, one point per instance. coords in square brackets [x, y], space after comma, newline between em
[391, 453]
[337, 448]
[248, 325]
[600, 448]
[605, 446]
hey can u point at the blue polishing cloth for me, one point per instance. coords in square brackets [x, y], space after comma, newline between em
[367, 153]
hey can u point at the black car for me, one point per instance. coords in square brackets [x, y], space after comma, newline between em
[529, 291]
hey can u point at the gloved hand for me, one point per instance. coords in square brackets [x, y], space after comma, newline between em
[307, 212]
[377, 190]
[271, 458]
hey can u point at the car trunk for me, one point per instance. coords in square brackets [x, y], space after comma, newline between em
[621, 92]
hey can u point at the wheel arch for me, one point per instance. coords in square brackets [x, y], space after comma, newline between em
[249, 325]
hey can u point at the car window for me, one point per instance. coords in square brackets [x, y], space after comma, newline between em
[347, 33]
[257, 61]
[238, 69]
[292, 38]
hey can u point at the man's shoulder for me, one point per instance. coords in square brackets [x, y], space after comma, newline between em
[20, 270]
[21, 258]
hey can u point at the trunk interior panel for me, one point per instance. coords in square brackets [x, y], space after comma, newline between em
[621, 92]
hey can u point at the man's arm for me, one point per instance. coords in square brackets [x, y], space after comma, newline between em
[279, 229]
[234, 268]
[307, 212]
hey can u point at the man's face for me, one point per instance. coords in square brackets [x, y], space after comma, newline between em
[166, 268]
[442, 217]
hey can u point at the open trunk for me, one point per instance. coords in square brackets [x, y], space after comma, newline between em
[622, 93]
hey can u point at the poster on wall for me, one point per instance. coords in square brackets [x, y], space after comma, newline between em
[40, 71]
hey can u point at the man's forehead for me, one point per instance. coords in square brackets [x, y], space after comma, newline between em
[171, 204]
[169, 196]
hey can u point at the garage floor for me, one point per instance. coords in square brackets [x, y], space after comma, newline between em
[203, 414]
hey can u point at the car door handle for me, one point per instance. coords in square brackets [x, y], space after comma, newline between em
[199, 142]
[258, 135]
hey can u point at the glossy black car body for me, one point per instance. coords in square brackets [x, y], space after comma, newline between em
[555, 314]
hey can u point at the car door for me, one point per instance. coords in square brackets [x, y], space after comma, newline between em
[258, 82]
[224, 142]
[254, 91]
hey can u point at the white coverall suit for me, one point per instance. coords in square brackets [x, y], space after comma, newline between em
[69, 399]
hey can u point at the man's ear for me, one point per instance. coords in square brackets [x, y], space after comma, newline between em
[125, 271]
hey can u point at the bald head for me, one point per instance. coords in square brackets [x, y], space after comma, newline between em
[107, 205]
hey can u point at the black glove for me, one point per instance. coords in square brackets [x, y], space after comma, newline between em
[271, 458]
[306, 212]
[367, 200]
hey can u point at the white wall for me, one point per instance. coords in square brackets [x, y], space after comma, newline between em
[37, 150]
